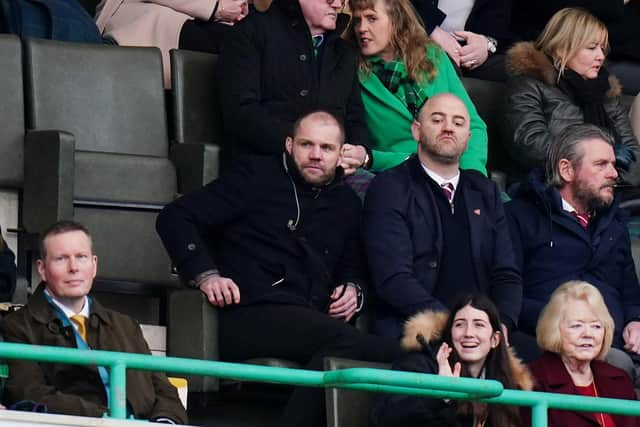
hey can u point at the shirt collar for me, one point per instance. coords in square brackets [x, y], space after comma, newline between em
[440, 180]
[67, 311]
[320, 38]
[567, 206]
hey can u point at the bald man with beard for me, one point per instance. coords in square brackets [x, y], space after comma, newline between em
[433, 231]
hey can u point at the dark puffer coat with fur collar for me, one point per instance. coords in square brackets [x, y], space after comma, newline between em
[537, 107]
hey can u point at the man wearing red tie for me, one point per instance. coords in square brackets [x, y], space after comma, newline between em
[61, 313]
[433, 231]
[567, 225]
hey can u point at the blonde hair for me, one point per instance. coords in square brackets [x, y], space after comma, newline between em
[409, 37]
[568, 31]
[548, 328]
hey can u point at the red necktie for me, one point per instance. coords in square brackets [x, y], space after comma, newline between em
[583, 219]
[447, 189]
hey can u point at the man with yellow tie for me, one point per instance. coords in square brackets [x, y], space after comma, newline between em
[61, 313]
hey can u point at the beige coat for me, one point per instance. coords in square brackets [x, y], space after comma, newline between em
[150, 22]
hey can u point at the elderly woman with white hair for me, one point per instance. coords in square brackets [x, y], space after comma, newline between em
[576, 330]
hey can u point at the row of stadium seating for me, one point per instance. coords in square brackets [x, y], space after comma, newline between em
[90, 134]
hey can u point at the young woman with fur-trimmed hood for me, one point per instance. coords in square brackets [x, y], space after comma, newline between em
[467, 343]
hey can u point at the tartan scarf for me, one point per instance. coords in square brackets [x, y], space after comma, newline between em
[393, 76]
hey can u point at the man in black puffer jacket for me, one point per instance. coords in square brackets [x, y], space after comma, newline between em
[275, 244]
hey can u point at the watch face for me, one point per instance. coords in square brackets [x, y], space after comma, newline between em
[492, 45]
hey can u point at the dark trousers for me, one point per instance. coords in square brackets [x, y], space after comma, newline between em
[493, 69]
[203, 36]
[303, 335]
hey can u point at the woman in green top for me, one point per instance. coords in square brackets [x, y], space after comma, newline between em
[400, 69]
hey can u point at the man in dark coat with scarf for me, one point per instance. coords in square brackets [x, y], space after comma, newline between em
[274, 243]
[286, 62]
[571, 228]
[61, 313]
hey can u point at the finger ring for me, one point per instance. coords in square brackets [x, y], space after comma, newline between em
[472, 62]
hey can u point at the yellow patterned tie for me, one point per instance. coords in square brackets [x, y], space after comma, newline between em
[81, 323]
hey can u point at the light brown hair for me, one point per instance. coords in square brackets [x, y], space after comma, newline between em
[568, 31]
[61, 227]
[409, 37]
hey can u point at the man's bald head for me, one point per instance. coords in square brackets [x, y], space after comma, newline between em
[444, 100]
[322, 118]
[442, 130]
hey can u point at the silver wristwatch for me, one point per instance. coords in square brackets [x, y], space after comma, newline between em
[492, 45]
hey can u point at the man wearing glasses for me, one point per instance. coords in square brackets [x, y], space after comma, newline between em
[274, 243]
[281, 64]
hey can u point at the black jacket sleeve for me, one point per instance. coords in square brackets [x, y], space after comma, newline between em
[184, 224]
[355, 125]
[492, 18]
[505, 277]
[390, 410]
[429, 12]
[352, 264]
[245, 118]
[527, 128]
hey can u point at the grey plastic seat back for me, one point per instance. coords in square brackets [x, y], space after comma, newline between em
[109, 167]
[12, 113]
[106, 96]
[195, 105]
[196, 118]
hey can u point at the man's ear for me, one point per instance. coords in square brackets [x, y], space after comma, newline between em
[94, 261]
[415, 130]
[566, 170]
[288, 144]
[41, 270]
[340, 154]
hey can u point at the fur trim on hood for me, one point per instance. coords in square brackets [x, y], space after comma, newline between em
[523, 59]
[427, 326]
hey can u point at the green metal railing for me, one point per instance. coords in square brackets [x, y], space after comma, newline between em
[376, 380]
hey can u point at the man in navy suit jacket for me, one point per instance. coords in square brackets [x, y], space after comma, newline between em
[433, 231]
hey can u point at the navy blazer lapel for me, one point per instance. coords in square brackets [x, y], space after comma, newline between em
[476, 211]
[425, 199]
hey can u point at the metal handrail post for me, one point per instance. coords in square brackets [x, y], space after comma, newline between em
[118, 390]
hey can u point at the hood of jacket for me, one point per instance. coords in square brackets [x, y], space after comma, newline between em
[427, 326]
[534, 189]
[523, 59]
[292, 9]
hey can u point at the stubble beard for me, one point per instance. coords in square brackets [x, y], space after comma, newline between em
[432, 151]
